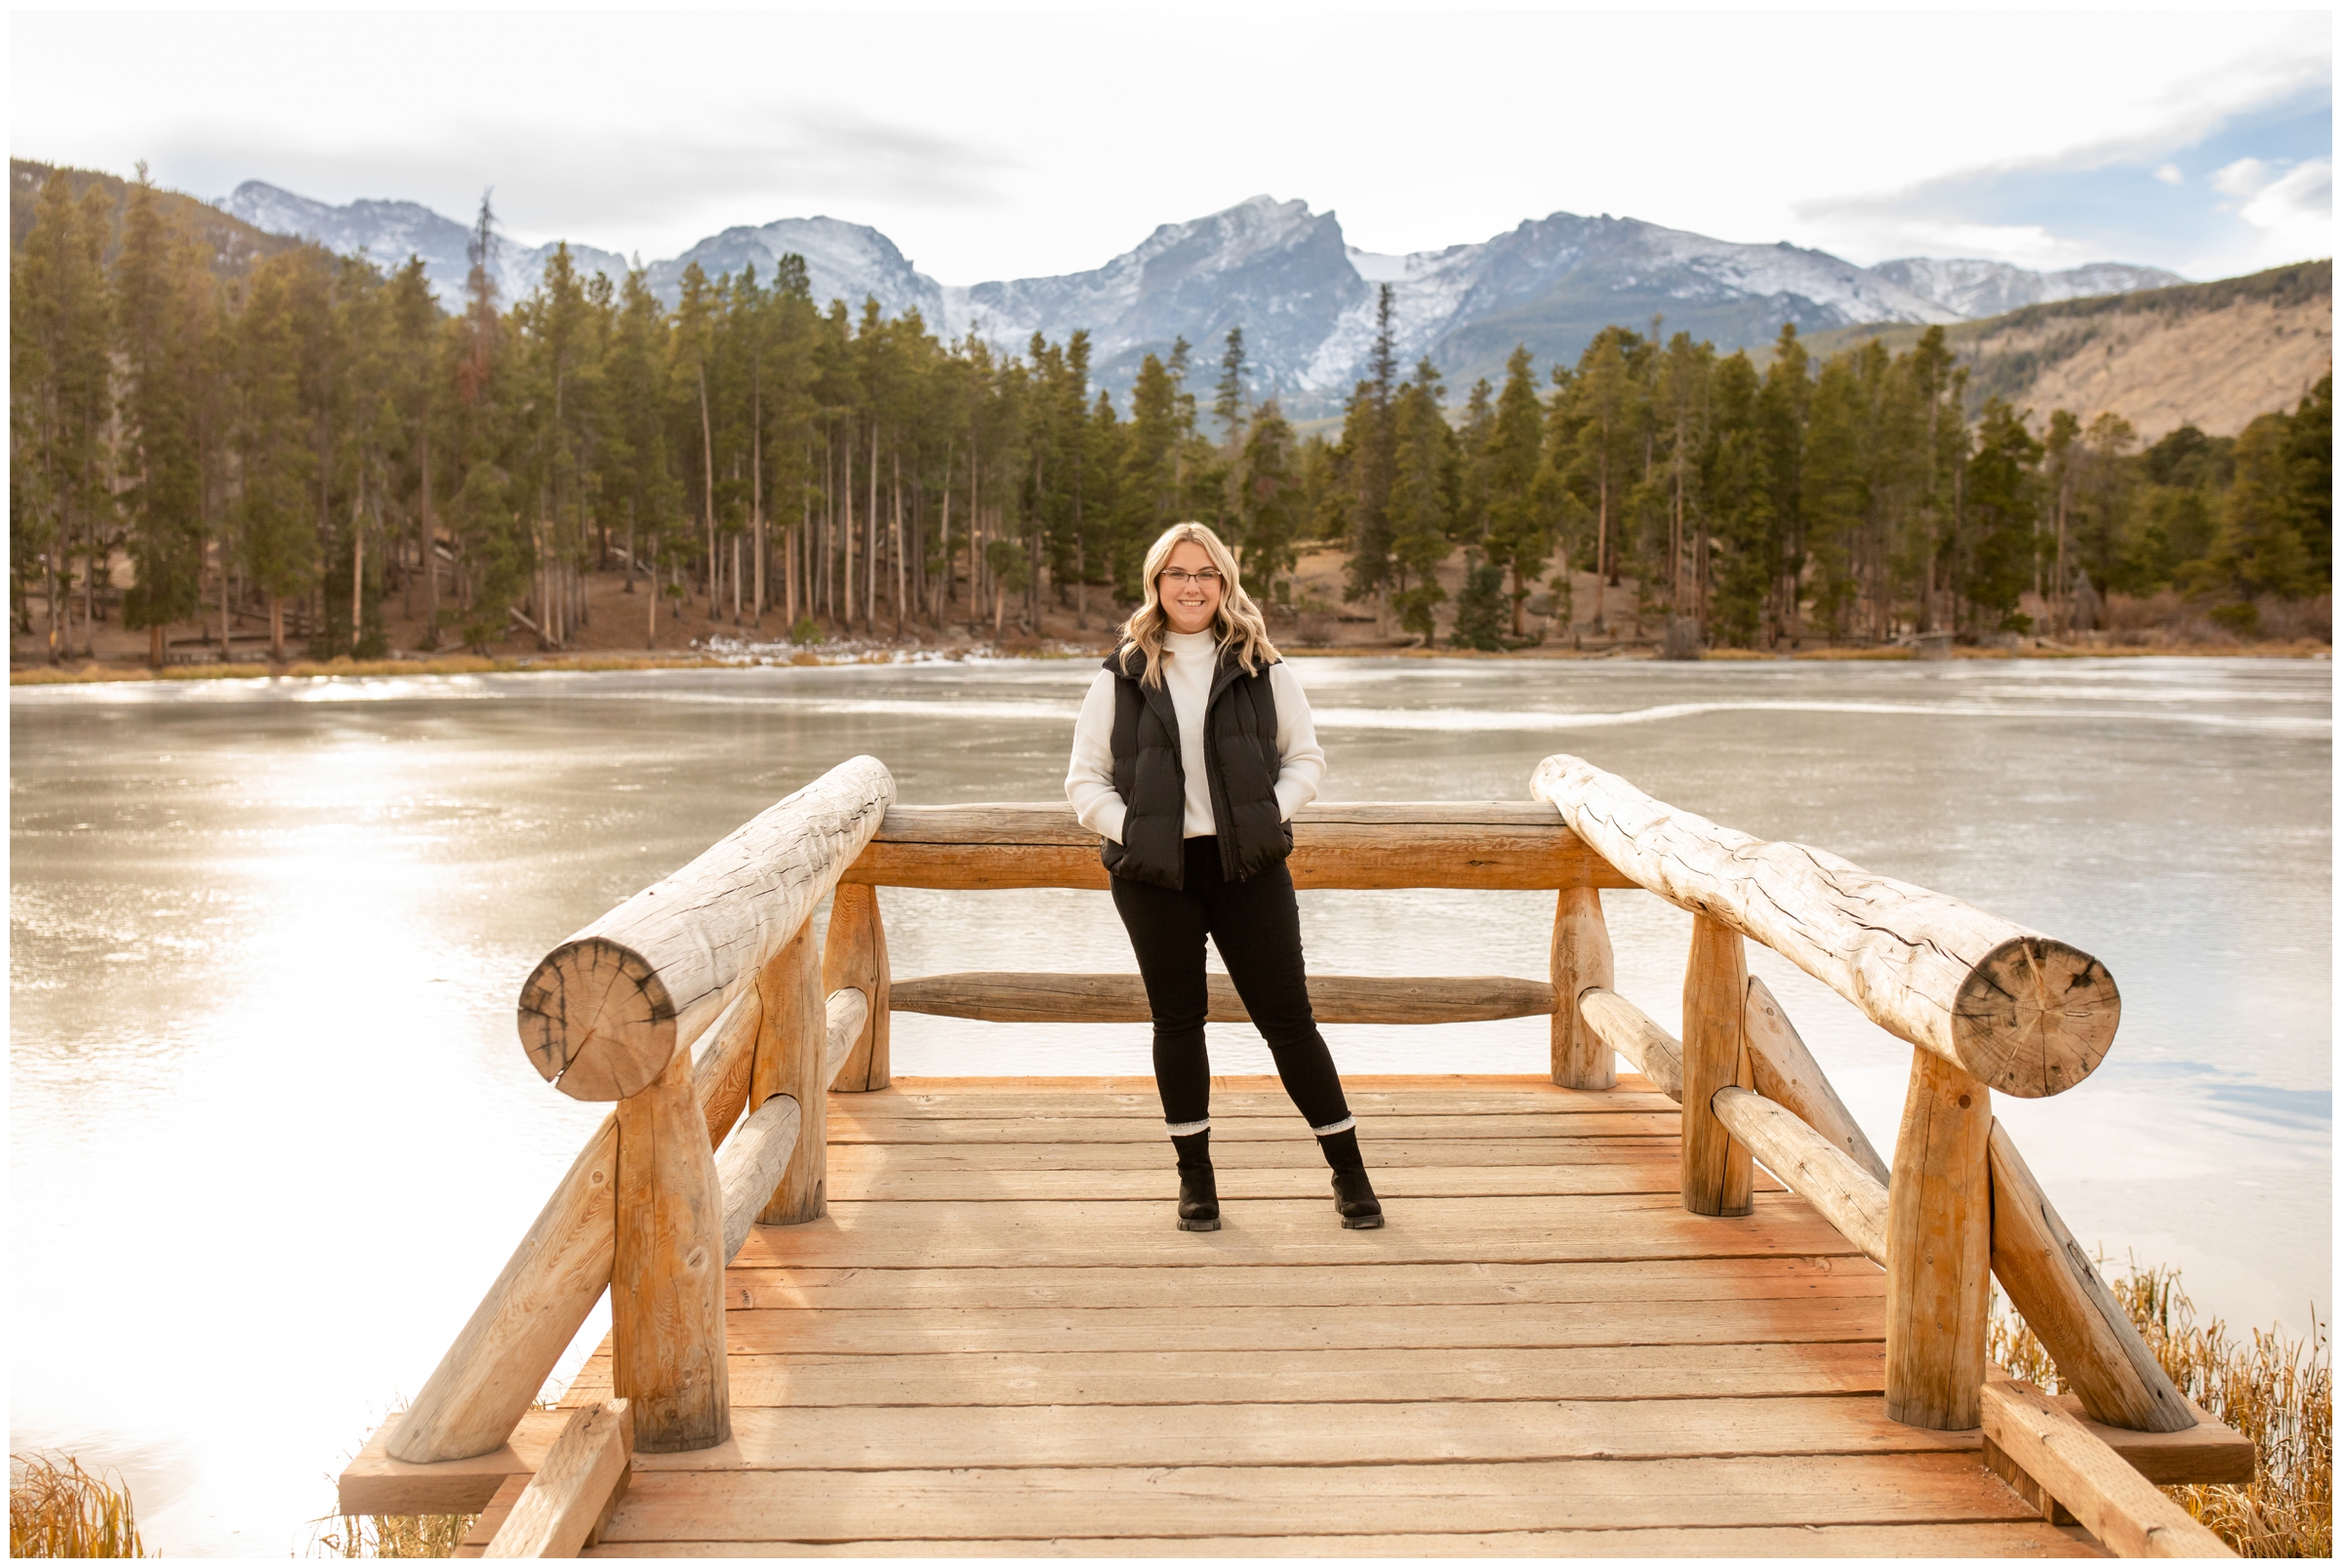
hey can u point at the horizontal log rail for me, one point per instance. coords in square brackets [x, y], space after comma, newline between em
[1011, 997]
[602, 1013]
[2019, 1012]
[1509, 844]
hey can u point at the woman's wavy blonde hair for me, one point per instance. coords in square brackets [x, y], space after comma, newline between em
[1237, 624]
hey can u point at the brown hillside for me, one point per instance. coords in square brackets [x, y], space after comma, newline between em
[232, 244]
[2213, 355]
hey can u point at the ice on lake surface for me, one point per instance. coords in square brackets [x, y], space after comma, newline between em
[272, 1133]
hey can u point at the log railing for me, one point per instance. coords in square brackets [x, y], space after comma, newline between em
[703, 997]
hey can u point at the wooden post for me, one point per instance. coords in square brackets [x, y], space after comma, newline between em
[1718, 1178]
[1581, 958]
[1939, 1249]
[854, 958]
[666, 1282]
[790, 1061]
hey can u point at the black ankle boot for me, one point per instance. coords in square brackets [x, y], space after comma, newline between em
[1353, 1195]
[1198, 1197]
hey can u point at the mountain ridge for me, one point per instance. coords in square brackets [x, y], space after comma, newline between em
[1288, 276]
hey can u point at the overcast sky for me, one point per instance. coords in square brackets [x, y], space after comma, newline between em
[998, 145]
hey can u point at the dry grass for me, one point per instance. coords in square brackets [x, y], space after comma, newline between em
[55, 1508]
[395, 1535]
[2276, 1390]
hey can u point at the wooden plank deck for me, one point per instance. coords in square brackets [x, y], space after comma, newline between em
[997, 1344]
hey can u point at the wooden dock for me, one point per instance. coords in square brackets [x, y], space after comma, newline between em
[997, 1344]
[1689, 1310]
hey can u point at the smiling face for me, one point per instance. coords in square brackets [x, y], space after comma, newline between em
[1188, 604]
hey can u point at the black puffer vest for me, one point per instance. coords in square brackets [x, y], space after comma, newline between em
[1241, 763]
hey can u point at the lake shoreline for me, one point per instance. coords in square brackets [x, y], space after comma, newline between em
[830, 655]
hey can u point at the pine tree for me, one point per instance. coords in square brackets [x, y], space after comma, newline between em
[161, 297]
[61, 400]
[2003, 506]
[1369, 456]
[1268, 501]
[1229, 405]
[1520, 536]
[1422, 498]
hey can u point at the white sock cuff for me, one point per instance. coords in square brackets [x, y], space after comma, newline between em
[1333, 1127]
[1188, 1129]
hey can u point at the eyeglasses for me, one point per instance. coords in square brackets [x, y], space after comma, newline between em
[1206, 579]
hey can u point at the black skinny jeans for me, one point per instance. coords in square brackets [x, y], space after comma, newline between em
[1256, 924]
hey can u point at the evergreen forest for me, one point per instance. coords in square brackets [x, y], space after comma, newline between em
[296, 440]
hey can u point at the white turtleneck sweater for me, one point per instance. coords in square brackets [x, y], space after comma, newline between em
[1190, 659]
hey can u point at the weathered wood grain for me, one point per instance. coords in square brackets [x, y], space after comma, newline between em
[1581, 960]
[372, 1483]
[1273, 1103]
[1303, 1498]
[1751, 1370]
[2058, 1292]
[2018, 1538]
[600, 1016]
[1787, 1075]
[1509, 844]
[1689, 1279]
[907, 1162]
[1715, 982]
[724, 1061]
[1629, 1031]
[666, 1301]
[846, 1127]
[843, 1016]
[571, 1493]
[792, 1062]
[1368, 1432]
[1817, 1170]
[1006, 996]
[2108, 1497]
[1239, 1184]
[1356, 1326]
[1569, 1230]
[749, 1167]
[854, 958]
[2024, 1012]
[1939, 1248]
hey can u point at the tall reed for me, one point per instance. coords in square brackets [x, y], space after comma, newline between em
[58, 1509]
[394, 1535]
[2277, 1391]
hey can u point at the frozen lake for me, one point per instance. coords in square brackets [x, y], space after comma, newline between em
[272, 1133]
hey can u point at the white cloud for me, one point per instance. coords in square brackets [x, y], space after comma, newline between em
[2246, 178]
[2169, 174]
[2295, 214]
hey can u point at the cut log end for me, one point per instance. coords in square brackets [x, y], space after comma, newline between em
[2036, 1017]
[596, 1021]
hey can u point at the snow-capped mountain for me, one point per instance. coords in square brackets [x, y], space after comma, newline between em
[390, 231]
[1272, 267]
[1973, 287]
[849, 262]
[1305, 298]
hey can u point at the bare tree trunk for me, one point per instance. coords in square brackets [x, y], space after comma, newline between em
[870, 523]
[944, 543]
[899, 577]
[846, 524]
[431, 551]
[708, 457]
